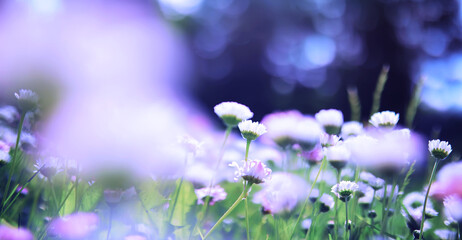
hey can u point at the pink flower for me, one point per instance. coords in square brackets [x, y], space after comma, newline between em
[253, 171]
[10, 233]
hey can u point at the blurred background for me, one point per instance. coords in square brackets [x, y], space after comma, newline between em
[268, 55]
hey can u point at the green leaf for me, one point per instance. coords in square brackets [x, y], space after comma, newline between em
[186, 199]
[150, 195]
[91, 196]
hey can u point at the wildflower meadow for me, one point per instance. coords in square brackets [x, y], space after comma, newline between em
[289, 176]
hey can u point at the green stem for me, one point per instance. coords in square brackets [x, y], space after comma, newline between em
[13, 160]
[390, 199]
[336, 227]
[346, 221]
[384, 198]
[247, 223]
[247, 146]
[53, 193]
[307, 198]
[207, 198]
[230, 209]
[18, 193]
[435, 166]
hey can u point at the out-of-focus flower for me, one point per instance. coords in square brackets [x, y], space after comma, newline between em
[414, 218]
[326, 202]
[363, 189]
[74, 226]
[135, 237]
[12, 233]
[330, 119]
[344, 190]
[448, 181]
[253, 171]
[414, 200]
[453, 208]
[379, 194]
[314, 195]
[27, 100]
[4, 153]
[384, 153]
[373, 181]
[282, 193]
[352, 128]
[216, 194]
[366, 200]
[251, 130]
[387, 119]
[112, 196]
[328, 140]
[232, 113]
[338, 156]
[314, 156]
[445, 234]
[190, 144]
[306, 224]
[439, 149]
[290, 127]
[8, 113]
[48, 166]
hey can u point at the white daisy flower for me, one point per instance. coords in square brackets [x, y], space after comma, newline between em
[27, 99]
[251, 130]
[387, 119]
[330, 119]
[352, 128]
[344, 190]
[337, 155]
[439, 149]
[232, 113]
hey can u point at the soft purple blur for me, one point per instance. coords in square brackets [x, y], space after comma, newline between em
[116, 70]
[74, 226]
[11, 233]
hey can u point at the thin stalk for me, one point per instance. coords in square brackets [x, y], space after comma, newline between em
[346, 222]
[390, 199]
[435, 166]
[276, 226]
[355, 105]
[18, 193]
[372, 205]
[230, 209]
[13, 160]
[384, 198]
[336, 227]
[53, 193]
[247, 223]
[247, 146]
[207, 198]
[307, 198]
[379, 89]
[313, 218]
